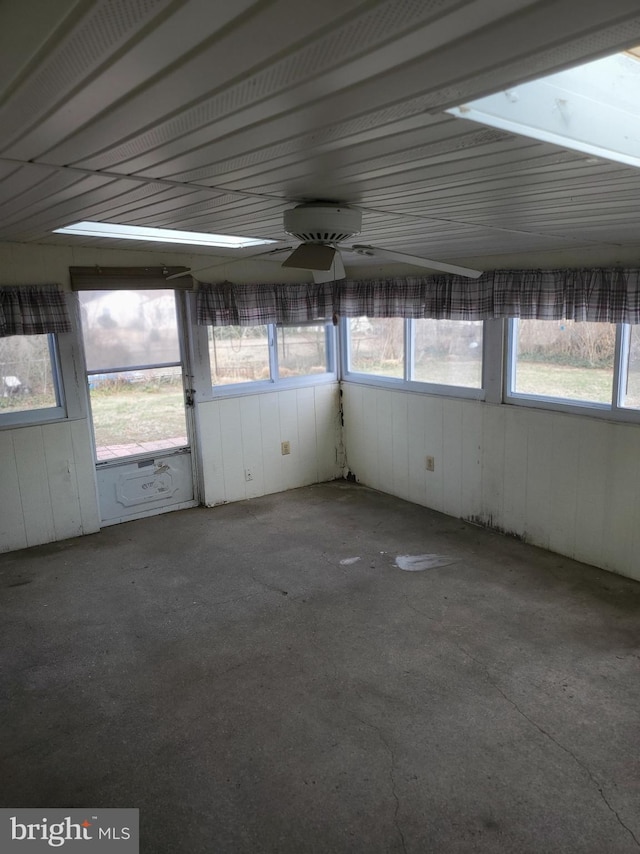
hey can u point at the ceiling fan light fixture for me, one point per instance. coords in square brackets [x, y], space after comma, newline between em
[321, 222]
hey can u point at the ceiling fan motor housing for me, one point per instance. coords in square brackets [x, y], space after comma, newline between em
[322, 223]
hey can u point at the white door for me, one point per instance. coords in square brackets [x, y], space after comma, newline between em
[141, 401]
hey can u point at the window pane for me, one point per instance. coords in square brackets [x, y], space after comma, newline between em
[137, 411]
[448, 352]
[302, 350]
[631, 395]
[377, 346]
[565, 359]
[129, 328]
[239, 354]
[26, 375]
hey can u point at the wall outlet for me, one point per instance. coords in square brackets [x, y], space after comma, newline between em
[248, 474]
[286, 448]
[431, 464]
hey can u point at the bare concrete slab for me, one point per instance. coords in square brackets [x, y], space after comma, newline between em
[267, 677]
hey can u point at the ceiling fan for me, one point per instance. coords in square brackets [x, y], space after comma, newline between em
[322, 229]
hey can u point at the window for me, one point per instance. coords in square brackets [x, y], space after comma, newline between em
[565, 363]
[563, 359]
[448, 352]
[377, 346]
[126, 329]
[244, 355]
[238, 354]
[441, 356]
[302, 350]
[630, 369]
[30, 387]
[560, 108]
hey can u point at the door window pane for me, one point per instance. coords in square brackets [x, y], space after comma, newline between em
[129, 328]
[238, 354]
[135, 412]
[27, 377]
[302, 350]
[448, 352]
[564, 359]
[377, 346]
[631, 394]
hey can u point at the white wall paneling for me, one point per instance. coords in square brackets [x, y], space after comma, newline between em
[305, 437]
[328, 432]
[211, 454]
[622, 508]
[35, 489]
[85, 475]
[493, 469]
[416, 448]
[351, 398]
[471, 456]
[250, 446]
[368, 434]
[565, 482]
[564, 452]
[47, 490]
[62, 481]
[274, 474]
[539, 477]
[384, 422]
[400, 447]
[288, 415]
[13, 533]
[433, 447]
[514, 482]
[452, 457]
[593, 490]
[245, 433]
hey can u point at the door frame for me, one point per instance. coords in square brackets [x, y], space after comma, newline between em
[185, 312]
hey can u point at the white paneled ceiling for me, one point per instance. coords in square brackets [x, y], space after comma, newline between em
[217, 115]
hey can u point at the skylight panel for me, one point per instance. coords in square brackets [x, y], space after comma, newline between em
[594, 108]
[161, 235]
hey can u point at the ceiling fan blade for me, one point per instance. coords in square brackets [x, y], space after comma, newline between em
[311, 256]
[262, 255]
[417, 261]
[336, 272]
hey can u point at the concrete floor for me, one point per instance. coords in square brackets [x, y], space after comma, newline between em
[239, 677]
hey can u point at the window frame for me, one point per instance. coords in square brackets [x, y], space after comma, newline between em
[612, 411]
[406, 383]
[47, 414]
[274, 382]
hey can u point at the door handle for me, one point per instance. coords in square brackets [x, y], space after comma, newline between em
[189, 396]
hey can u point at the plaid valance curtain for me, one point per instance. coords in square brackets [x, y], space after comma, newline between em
[252, 305]
[599, 295]
[605, 295]
[440, 297]
[33, 310]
